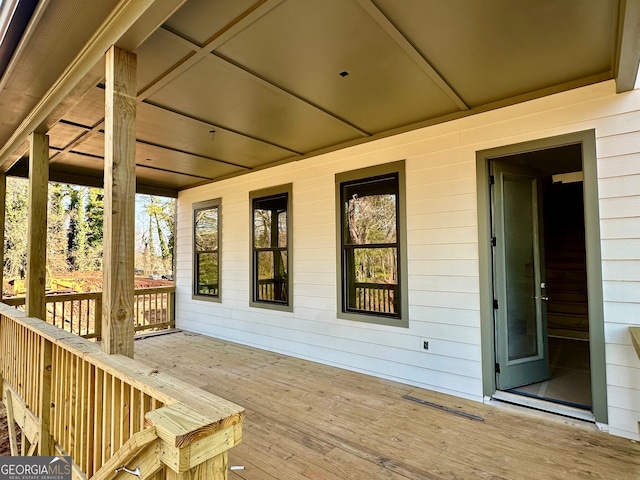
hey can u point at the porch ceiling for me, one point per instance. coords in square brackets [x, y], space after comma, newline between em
[280, 80]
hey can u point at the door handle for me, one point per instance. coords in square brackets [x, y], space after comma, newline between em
[544, 298]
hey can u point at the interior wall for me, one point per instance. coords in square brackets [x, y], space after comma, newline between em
[442, 238]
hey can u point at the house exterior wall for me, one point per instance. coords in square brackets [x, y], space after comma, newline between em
[442, 238]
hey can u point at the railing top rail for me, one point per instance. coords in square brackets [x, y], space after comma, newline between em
[146, 291]
[377, 286]
[156, 384]
[66, 297]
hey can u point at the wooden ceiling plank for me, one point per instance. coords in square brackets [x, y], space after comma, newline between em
[206, 51]
[78, 140]
[282, 91]
[199, 52]
[627, 52]
[372, 9]
[221, 128]
[166, 170]
[197, 155]
[91, 131]
[76, 80]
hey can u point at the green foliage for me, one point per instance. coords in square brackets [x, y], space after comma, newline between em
[158, 229]
[371, 221]
[15, 240]
[75, 228]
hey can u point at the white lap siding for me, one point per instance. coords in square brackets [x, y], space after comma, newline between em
[442, 239]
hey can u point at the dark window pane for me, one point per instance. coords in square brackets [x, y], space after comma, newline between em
[370, 212]
[372, 279]
[282, 229]
[207, 274]
[272, 276]
[270, 222]
[262, 228]
[206, 229]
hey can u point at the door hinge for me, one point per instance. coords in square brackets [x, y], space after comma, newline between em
[497, 367]
[492, 179]
[495, 304]
[493, 241]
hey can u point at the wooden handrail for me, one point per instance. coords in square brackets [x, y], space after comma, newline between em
[94, 406]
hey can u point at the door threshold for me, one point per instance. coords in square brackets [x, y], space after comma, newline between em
[544, 405]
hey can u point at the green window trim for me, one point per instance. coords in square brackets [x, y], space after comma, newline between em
[271, 283]
[372, 264]
[206, 250]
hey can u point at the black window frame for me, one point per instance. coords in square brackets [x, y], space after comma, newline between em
[273, 194]
[394, 309]
[199, 207]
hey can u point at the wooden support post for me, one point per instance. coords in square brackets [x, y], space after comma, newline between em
[119, 202]
[37, 236]
[3, 198]
[46, 445]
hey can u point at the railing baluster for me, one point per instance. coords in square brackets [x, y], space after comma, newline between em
[106, 419]
[90, 414]
[98, 419]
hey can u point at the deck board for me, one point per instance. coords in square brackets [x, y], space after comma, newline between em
[305, 421]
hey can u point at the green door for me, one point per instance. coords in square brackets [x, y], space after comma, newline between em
[519, 288]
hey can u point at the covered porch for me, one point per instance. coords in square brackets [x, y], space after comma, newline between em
[305, 420]
[235, 107]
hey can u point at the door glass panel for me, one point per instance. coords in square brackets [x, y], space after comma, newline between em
[520, 236]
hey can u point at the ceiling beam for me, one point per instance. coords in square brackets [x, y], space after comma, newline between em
[255, 12]
[21, 170]
[206, 51]
[98, 128]
[197, 155]
[412, 52]
[628, 45]
[83, 137]
[82, 73]
[219, 128]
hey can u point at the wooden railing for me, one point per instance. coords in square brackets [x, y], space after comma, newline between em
[81, 313]
[107, 411]
[272, 289]
[375, 297]
[154, 308]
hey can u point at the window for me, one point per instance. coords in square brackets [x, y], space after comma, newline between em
[270, 254]
[206, 250]
[372, 259]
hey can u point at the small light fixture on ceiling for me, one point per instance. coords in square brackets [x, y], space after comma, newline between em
[344, 73]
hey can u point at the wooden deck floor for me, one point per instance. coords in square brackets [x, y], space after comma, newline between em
[308, 421]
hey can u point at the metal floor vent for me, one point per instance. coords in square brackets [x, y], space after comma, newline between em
[446, 409]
